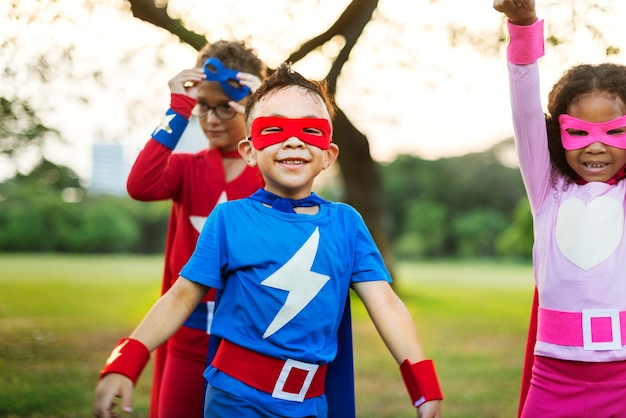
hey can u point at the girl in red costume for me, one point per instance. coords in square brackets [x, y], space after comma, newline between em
[215, 92]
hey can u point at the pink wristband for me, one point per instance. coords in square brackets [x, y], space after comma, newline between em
[129, 358]
[526, 44]
[421, 381]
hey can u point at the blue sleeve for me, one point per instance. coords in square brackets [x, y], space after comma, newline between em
[368, 262]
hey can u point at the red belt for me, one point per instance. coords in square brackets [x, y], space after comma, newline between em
[289, 379]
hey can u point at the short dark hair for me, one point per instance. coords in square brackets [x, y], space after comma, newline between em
[284, 77]
[236, 55]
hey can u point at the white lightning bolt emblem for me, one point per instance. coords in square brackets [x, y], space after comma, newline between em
[117, 351]
[296, 277]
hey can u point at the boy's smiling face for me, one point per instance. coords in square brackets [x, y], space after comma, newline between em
[290, 167]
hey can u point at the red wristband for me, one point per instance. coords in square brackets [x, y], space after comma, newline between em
[129, 358]
[421, 381]
[182, 104]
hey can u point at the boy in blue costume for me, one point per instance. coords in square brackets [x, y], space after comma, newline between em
[282, 261]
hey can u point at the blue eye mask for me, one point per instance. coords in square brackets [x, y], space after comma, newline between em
[216, 71]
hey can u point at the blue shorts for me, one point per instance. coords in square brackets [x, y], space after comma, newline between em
[218, 403]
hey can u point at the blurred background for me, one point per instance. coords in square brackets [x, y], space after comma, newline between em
[427, 157]
[424, 124]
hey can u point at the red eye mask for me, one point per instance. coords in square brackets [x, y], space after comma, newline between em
[586, 133]
[269, 130]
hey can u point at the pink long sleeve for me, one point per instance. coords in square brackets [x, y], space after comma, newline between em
[528, 116]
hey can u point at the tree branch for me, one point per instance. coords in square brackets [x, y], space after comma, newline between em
[350, 25]
[146, 10]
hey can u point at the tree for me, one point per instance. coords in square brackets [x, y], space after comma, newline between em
[516, 241]
[40, 214]
[456, 206]
[21, 131]
[476, 231]
[425, 230]
[337, 40]
[48, 176]
[363, 185]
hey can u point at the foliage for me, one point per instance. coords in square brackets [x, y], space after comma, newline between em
[48, 211]
[21, 130]
[517, 240]
[457, 206]
[436, 211]
[476, 231]
[425, 230]
[48, 176]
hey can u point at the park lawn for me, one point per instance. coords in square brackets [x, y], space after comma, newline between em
[61, 315]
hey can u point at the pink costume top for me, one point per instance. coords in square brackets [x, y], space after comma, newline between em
[579, 254]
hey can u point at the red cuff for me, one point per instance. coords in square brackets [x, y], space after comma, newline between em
[421, 381]
[128, 358]
[182, 104]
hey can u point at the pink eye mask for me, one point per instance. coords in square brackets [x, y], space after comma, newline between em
[590, 132]
[270, 130]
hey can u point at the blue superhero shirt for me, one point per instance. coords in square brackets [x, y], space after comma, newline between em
[284, 280]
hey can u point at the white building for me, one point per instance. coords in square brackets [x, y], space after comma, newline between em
[109, 169]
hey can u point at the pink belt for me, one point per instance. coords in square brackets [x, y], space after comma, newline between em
[592, 329]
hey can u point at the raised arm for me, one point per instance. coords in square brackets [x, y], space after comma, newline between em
[151, 176]
[525, 48]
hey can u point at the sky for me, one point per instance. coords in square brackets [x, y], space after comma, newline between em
[405, 86]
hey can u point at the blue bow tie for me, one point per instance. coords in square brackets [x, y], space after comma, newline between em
[283, 204]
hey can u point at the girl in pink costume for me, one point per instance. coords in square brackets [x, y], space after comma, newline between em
[572, 161]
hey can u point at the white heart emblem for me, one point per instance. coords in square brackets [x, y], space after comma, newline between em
[588, 235]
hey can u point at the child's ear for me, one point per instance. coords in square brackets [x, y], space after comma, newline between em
[246, 150]
[331, 155]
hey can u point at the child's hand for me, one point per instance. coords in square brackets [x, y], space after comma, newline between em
[246, 79]
[430, 409]
[250, 80]
[112, 386]
[519, 12]
[186, 82]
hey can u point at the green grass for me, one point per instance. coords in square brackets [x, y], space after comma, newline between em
[61, 315]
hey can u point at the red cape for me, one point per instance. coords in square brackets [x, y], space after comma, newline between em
[529, 356]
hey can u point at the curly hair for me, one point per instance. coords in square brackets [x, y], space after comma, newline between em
[233, 54]
[284, 77]
[578, 80]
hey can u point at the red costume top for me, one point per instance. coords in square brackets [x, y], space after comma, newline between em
[195, 183]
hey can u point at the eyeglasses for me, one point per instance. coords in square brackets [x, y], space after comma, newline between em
[222, 111]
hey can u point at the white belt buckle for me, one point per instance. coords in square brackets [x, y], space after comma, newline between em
[279, 392]
[588, 315]
[210, 309]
